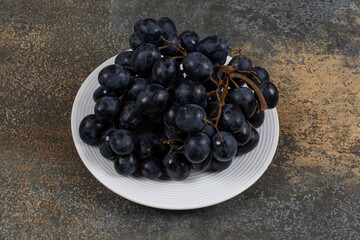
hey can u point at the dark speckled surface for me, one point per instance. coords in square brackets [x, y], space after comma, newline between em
[310, 191]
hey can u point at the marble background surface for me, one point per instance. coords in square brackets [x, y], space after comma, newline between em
[310, 191]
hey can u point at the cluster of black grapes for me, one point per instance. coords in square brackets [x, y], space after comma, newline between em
[202, 113]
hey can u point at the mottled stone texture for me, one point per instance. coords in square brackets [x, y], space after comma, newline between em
[310, 191]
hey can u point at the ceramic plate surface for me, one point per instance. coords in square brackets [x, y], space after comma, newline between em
[197, 191]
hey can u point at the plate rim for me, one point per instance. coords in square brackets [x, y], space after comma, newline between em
[80, 151]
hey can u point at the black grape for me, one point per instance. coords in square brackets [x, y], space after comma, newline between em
[144, 58]
[153, 99]
[126, 164]
[176, 166]
[215, 47]
[105, 149]
[197, 67]
[204, 165]
[144, 148]
[189, 118]
[270, 93]
[167, 24]
[231, 118]
[197, 147]
[122, 142]
[224, 149]
[189, 39]
[148, 30]
[170, 50]
[242, 63]
[114, 77]
[107, 107]
[137, 85]
[91, 128]
[130, 117]
[151, 168]
[135, 41]
[261, 74]
[245, 99]
[251, 144]
[243, 135]
[102, 92]
[124, 58]
[165, 71]
[257, 119]
[190, 92]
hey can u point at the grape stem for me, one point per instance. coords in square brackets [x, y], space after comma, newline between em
[232, 73]
[232, 80]
[171, 150]
[211, 123]
[172, 141]
[129, 106]
[177, 47]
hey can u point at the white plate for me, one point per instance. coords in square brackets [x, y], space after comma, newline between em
[197, 191]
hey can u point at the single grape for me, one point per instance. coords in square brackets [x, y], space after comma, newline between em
[197, 147]
[231, 118]
[122, 142]
[114, 77]
[243, 135]
[144, 148]
[189, 118]
[126, 164]
[160, 149]
[137, 85]
[165, 71]
[190, 92]
[170, 50]
[102, 92]
[124, 58]
[144, 58]
[219, 165]
[167, 24]
[150, 168]
[210, 130]
[245, 99]
[90, 129]
[176, 166]
[130, 117]
[107, 107]
[224, 149]
[257, 119]
[270, 93]
[105, 149]
[251, 144]
[197, 67]
[148, 30]
[135, 41]
[261, 75]
[153, 99]
[189, 39]
[242, 63]
[204, 165]
[215, 47]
